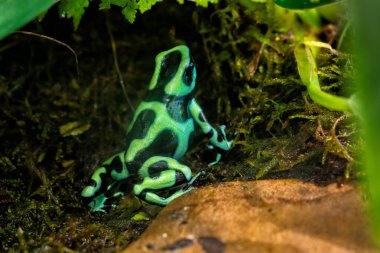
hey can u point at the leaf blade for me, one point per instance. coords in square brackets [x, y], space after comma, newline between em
[16, 13]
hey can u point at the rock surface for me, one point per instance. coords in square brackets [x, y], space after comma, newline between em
[261, 216]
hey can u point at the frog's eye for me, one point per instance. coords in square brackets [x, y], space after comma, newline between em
[169, 65]
[188, 74]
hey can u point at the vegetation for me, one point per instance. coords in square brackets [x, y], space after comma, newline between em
[303, 4]
[368, 84]
[57, 123]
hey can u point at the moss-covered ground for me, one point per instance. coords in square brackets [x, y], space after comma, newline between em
[57, 125]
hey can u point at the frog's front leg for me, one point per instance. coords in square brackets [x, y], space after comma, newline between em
[160, 173]
[219, 141]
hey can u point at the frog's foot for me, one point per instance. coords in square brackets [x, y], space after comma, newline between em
[105, 201]
[222, 145]
[153, 198]
[222, 129]
[219, 140]
[101, 202]
[174, 175]
[217, 159]
[187, 186]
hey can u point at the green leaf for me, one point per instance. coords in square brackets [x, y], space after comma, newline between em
[307, 70]
[106, 4]
[204, 3]
[302, 4]
[129, 7]
[145, 5]
[140, 216]
[73, 9]
[130, 10]
[16, 13]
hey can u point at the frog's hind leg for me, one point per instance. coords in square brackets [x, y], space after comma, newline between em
[160, 173]
[104, 184]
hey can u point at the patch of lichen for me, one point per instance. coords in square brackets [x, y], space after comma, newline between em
[56, 125]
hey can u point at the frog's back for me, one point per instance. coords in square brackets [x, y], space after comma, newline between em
[160, 127]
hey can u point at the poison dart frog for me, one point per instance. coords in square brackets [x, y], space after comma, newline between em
[157, 137]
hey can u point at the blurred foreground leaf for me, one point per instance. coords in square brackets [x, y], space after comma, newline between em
[16, 13]
[73, 9]
[368, 82]
[303, 4]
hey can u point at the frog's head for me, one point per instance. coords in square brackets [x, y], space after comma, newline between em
[175, 73]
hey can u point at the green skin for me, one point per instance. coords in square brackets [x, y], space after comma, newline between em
[157, 138]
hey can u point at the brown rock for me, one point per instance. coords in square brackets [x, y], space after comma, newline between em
[262, 216]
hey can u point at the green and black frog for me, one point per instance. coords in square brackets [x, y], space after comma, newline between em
[157, 138]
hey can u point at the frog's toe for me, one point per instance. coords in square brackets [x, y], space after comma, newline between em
[188, 189]
[96, 204]
[103, 202]
[222, 129]
[193, 179]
